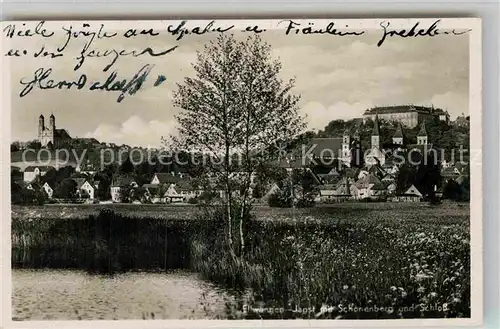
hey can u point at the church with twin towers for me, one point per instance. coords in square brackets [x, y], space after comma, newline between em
[49, 136]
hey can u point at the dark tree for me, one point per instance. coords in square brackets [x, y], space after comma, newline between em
[34, 145]
[66, 189]
[405, 178]
[127, 167]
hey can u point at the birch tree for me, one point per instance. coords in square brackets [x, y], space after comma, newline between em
[235, 108]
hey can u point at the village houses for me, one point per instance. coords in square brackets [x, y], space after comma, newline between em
[32, 172]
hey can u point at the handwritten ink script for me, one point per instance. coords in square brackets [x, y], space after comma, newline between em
[42, 80]
[415, 31]
[81, 43]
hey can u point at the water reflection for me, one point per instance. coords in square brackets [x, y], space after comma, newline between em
[75, 295]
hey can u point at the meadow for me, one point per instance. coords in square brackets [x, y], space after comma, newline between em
[348, 261]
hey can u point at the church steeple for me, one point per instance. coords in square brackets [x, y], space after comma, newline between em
[398, 135]
[41, 125]
[376, 134]
[376, 131]
[346, 146]
[422, 135]
[52, 122]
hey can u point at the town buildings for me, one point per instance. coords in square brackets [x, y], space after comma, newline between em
[119, 185]
[332, 161]
[376, 154]
[32, 172]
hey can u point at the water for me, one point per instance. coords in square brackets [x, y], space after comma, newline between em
[74, 295]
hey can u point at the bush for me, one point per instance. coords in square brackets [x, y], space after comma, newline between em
[306, 202]
[193, 200]
[280, 199]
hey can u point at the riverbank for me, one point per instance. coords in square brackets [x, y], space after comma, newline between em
[325, 257]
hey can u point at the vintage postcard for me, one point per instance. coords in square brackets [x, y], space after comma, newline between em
[285, 172]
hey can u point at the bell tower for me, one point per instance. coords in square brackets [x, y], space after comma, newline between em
[398, 135]
[52, 122]
[346, 144]
[376, 134]
[41, 126]
[422, 135]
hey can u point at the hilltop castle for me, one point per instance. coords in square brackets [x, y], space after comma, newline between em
[50, 136]
[408, 115]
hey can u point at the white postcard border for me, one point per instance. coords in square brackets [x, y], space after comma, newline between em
[476, 203]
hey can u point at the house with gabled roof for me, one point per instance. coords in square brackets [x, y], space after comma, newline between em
[389, 178]
[118, 184]
[32, 172]
[327, 192]
[167, 178]
[181, 191]
[412, 194]
[368, 187]
[49, 190]
[390, 187]
[85, 188]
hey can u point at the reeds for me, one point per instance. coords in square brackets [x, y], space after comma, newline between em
[370, 267]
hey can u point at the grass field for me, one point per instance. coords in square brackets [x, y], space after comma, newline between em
[385, 211]
[347, 261]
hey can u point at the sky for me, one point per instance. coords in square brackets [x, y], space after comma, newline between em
[337, 78]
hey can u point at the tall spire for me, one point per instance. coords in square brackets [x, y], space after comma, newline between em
[399, 131]
[376, 131]
[422, 135]
[376, 134]
[398, 135]
[423, 131]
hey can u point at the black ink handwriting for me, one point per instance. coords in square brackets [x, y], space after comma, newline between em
[11, 31]
[16, 52]
[180, 30]
[115, 54]
[254, 29]
[126, 87]
[414, 31]
[133, 33]
[42, 80]
[71, 34]
[44, 53]
[292, 27]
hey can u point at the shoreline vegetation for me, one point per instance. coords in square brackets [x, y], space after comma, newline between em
[349, 260]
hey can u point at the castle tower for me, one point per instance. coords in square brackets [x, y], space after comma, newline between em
[52, 122]
[41, 126]
[422, 135]
[346, 145]
[356, 135]
[398, 135]
[376, 134]
[356, 155]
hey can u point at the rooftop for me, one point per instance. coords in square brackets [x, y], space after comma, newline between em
[404, 109]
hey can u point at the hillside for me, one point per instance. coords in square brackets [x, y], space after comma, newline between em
[440, 134]
[73, 156]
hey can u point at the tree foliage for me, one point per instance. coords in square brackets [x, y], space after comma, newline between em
[236, 104]
[66, 189]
